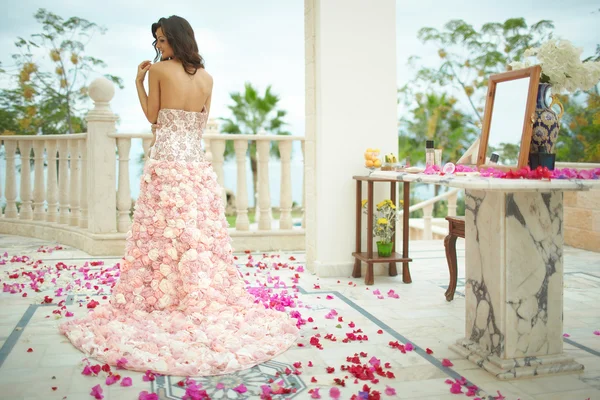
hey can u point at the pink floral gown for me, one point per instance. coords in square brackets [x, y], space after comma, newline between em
[180, 306]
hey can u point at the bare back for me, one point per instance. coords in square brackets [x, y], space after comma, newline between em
[181, 91]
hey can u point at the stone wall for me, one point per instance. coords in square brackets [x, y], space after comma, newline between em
[582, 219]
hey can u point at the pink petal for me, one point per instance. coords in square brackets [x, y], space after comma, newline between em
[456, 388]
[126, 381]
[566, 335]
[111, 379]
[334, 393]
[121, 363]
[597, 333]
[86, 370]
[315, 394]
[499, 397]
[408, 346]
[147, 396]
[241, 388]
[390, 391]
[447, 363]
[97, 392]
[220, 386]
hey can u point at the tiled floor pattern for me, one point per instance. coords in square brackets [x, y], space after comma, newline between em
[420, 316]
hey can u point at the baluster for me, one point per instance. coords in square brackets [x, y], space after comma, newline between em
[11, 211]
[218, 153]
[452, 205]
[427, 212]
[26, 211]
[285, 201]
[1, 210]
[63, 181]
[83, 199]
[74, 183]
[146, 147]
[212, 129]
[39, 189]
[264, 196]
[303, 184]
[123, 193]
[242, 223]
[52, 182]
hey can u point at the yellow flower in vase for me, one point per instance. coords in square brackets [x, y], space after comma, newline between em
[382, 221]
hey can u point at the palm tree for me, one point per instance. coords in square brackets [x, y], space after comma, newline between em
[434, 117]
[253, 113]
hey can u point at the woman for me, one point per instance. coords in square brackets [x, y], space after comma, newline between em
[180, 306]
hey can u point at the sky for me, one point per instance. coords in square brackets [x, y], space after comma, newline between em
[262, 41]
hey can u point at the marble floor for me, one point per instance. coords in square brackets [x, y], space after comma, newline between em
[405, 332]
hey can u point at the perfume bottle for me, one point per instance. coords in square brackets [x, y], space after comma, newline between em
[494, 158]
[429, 153]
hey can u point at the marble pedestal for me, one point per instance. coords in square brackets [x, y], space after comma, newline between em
[514, 283]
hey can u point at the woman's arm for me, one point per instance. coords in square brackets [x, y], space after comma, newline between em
[150, 103]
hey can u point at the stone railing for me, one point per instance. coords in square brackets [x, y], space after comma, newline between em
[427, 227]
[72, 199]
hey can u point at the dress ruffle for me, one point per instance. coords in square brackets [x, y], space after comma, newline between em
[180, 306]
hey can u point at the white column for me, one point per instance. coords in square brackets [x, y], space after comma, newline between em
[39, 188]
[264, 196]
[285, 198]
[304, 186]
[74, 182]
[63, 181]
[52, 183]
[345, 39]
[241, 199]
[101, 159]
[26, 211]
[83, 200]
[10, 147]
[218, 153]
[123, 192]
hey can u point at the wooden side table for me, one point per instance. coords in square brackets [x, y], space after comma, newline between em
[368, 256]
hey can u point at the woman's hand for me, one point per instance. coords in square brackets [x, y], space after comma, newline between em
[142, 70]
[154, 127]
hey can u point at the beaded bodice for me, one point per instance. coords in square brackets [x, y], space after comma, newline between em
[179, 135]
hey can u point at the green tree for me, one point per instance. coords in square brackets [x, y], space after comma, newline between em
[251, 114]
[469, 56]
[436, 117]
[579, 136]
[45, 99]
[433, 116]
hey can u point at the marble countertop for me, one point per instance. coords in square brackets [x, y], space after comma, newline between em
[487, 183]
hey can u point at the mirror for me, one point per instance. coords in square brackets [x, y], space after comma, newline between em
[507, 121]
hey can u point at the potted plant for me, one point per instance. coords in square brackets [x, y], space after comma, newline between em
[384, 225]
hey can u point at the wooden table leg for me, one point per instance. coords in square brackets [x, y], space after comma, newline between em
[357, 264]
[450, 245]
[405, 233]
[393, 271]
[369, 277]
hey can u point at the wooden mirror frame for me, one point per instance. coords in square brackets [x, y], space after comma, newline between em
[534, 74]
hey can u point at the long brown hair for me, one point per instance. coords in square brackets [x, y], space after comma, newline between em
[180, 36]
